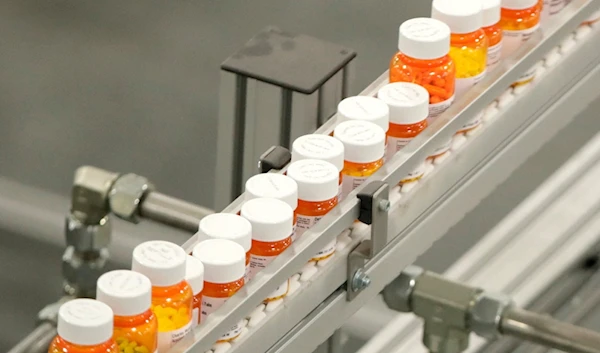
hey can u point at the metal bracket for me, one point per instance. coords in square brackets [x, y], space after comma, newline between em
[374, 207]
[276, 157]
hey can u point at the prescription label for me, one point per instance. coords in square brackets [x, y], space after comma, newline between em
[350, 183]
[441, 150]
[195, 317]
[304, 223]
[326, 252]
[514, 39]
[463, 85]
[247, 276]
[437, 109]
[166, 340]
[209, 305]
[340, 193]
[471, 125]
[494, 55]
[396, 144]
[257, 263]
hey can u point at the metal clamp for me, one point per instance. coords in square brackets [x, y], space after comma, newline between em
[374, 207]
[276, 157]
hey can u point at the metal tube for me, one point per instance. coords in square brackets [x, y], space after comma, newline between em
[37, 340]
[549, 332]
[173, 212]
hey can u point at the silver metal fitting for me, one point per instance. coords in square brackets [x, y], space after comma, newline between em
[441, 338]
[83, 237]
[397, 294]
[360, 280]
[384, 205]
[89, 196]
[81, 271]
[486, 314]
[126, 195]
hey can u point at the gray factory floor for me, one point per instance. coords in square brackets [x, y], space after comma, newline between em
[132, 86]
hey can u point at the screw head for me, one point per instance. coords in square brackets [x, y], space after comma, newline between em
[384, 205]
[360, 280]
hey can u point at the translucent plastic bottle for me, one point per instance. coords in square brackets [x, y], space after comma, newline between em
[493, 31]
[317, 190]
[424, 45]
[271, 221]
[276, 186]
[194, 275]
[164, 264]
[129, 295]
[84, 326]
[551, 8]
[519, 20]
[321, 147]
[224, 269]
[230, 227]
[408, 104]
[595, 17]
[364, 108]
[364, 146]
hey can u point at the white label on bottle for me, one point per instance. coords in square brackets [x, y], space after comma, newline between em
[327, 251]
[166, 340]
[257, 263]
[442, 149]
[305, 222]
[514, 38]
[209, 305]
[195, 315]
[350, 183]
[340, 193]
[437, 109]
[494, 54]
[472, 124]
[395, 145]
[552, 7]
[463, 85]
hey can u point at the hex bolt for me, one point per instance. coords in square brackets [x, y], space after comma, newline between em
[360, 280]
[384, 205]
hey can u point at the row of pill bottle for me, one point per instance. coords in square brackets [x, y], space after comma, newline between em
[409, 109]
[129, 295]
[272, 222]
[519, 20]
[194, 275]
[164, 263]
[424, 45]
[224, 269]
[550, 8]
[321, 147]
[84, 326]
[275, 186]
[317, 194]
[493, 31]
[229, 227]
[364, 148]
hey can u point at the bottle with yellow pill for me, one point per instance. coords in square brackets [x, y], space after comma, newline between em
[493, 31]
[164, 264]
[194, 275]
[84, 326]
[129, 295]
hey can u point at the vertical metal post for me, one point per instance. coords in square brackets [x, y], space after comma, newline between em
[334, 343]
[286, 118]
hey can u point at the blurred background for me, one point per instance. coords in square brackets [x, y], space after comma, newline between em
[132, 86]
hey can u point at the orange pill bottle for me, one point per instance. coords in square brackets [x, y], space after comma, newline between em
[129, 295]
[493, 31]
[194, 275]
[164, 264]
[224, 268]
[275, 186]
[519, 20]
[271, 221]
[595, 17]
[321, 147]
[84, 326]
[408, 104]
[230, 227]
[364, 146]
[317, 192]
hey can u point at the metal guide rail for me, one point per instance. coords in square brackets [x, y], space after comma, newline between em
[516, 126]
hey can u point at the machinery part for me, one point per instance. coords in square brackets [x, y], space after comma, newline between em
[397, 295]
[89, 195]
[486, 314]
[87, 237]
[174, 212]
[126, 195]
[81, 271]
[276, 157]
[37, 341]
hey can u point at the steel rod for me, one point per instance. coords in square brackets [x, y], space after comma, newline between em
[549, 332]
[35, 341]
[173, 212]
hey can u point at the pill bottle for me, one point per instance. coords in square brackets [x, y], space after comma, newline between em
[408, 104]
[364, 108]
[276, 186]
[164, 264]
[364, 147]
[129, 295]
[317, 189]
[592, 19]
[424, 45]
[493, 31]
[194, 275]
[84, 326]
[550, 8]
[271, 221]
[230, 227]
[224, 268]
[519, 20]
[321, 147]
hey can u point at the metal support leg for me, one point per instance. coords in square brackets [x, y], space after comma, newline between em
[334, 343]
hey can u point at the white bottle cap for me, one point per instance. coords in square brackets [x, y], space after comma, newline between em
[224, 261]
[462, 16]
[276, 186]
[321, 147]
[271, 219]
[127, 293]
[518, 4]
[85, 322]
[227, 226]
[491, 12]
[194, 274]
[408, 102]
[161, 261]
[317, 180]
[424, 39]
[364, 142]
[364, 108]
